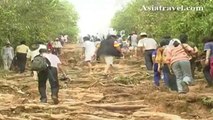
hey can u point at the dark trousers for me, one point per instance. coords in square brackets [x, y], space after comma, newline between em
[166, 76]
[157, 76]
[169, 78]
[21, 61]
[51, 74]
[193, 66]
[57, 51]
[148, 59]
[207, 75]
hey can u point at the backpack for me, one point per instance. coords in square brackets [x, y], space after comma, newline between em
[39, 63]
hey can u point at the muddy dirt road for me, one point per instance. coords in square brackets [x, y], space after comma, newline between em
[128, 94]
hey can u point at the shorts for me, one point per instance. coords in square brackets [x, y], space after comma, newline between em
[89, 57]
[133, 48]
[125, 50]
[108, 60]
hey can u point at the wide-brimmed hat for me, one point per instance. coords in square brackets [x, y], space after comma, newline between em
[143, 34]
[8, 42]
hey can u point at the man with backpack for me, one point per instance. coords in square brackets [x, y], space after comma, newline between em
[47, 68]
[35, 52]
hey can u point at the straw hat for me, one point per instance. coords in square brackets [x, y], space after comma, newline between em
[143, 33]
[8, 42]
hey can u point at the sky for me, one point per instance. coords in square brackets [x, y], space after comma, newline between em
[95, 15]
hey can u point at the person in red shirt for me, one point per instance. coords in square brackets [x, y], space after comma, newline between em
[50, 47]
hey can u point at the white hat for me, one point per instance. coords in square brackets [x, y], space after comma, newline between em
[176, 40]
[143, 33]
[8, 42]
[113, 33]
[173, 40]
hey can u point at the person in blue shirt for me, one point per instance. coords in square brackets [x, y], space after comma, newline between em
[208, 49]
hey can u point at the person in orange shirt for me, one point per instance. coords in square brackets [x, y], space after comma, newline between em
[168, 77]
[180, 64]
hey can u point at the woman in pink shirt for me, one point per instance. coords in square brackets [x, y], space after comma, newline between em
[178, 59]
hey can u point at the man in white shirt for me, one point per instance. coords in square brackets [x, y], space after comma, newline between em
[88, 51]
[50, 73]
[57, 46]
[34, 53]
[147, 46]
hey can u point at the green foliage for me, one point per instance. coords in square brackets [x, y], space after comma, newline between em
[207, 101]
[126, 80]
[33, 20]
[136, 17]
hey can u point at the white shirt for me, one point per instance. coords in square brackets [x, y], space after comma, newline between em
[147, 43]
[54, 60]
[57, 44]
[7, 52]
[34, 53]
[65, 38]
[134, 40]
[89, 48]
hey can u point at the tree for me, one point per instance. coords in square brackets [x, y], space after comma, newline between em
[142, 15]
[34, 20]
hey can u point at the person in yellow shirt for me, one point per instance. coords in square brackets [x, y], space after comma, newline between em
[21, 54]
[161, 67]
[157, 58]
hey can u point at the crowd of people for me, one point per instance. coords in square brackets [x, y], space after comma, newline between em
[172, 59]
[16, 59]
[18, 56]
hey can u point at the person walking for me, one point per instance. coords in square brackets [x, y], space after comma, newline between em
[168, 76]
[50, 46]
[21, 53]
[109, 48]
[88, 52]
[180, 64]
[51, 73]
[157, 57]
[34, 52]
[147, 47]
[207, 70]
[134, 43]
[7, 54]
[184, 40]
[57, 47]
